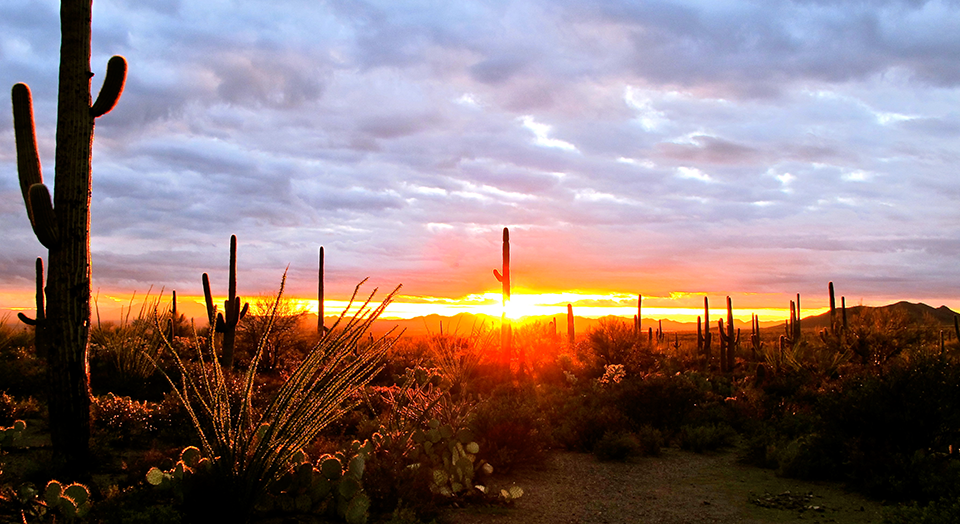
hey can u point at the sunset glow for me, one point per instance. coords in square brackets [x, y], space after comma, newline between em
[522, 306]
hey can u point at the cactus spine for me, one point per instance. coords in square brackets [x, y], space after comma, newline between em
[226, 322]
[504, 279]
[62, 224]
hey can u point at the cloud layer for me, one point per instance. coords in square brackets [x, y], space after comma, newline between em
[692, 146]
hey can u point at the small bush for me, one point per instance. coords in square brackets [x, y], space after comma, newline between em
[943, 511]
[664, 402]
[650, 440]
[122, 419]
[616, 446]
[700, 439]
[510, 429]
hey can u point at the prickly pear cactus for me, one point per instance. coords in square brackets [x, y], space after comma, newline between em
[9, 435]
[332, 486]
[177, 479]
[71, 501]
[451, 456]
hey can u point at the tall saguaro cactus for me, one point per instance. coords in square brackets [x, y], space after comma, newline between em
[320, 327]
[504, 279]
[226, 322]
[62, 224]
[728, 342]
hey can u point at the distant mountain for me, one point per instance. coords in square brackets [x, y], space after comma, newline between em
[917, 312]
[465, 323]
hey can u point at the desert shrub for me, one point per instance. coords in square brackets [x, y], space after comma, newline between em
[613, 341]
[458, 358]
[126, 351]
[700, 439]
[943, 511]
[892, 429]
[650, 440]
[802, 458]
[21, 372]
[664, 402]
[123, 420]
[584, 419]
[510, 429]
[12, 408]
[616, 446]
[282, 338]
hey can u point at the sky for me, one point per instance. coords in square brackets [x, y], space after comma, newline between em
[675, 149]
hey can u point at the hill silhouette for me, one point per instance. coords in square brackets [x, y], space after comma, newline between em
[920, 313]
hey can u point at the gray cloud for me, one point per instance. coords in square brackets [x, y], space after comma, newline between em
[678, 145]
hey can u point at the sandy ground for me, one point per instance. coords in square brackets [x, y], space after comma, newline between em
[678, 487]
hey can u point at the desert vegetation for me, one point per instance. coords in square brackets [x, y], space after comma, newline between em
[395, 429]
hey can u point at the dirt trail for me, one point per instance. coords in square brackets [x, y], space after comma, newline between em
[678, 487]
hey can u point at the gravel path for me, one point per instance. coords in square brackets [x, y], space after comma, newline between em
[678, 487]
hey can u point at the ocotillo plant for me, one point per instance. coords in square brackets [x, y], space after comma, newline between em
[62, 224]
[320, 327]
[504, 279]
[226, 322]
[570, 330]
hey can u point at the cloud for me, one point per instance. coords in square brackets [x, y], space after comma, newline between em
[669, 145]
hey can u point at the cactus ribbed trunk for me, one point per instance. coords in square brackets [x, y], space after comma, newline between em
[67, 327]
[504, 279]
[707, 337]
[570, 330]
[320, 326]
[731, 341]
[639, 314]
[63, 226]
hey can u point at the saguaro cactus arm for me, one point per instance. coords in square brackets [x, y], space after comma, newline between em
[112, 87]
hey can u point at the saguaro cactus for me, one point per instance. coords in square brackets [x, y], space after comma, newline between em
[320, 327]
[639, 322]
[755, 343]
[226, 322]
[571, 335]
[707, 337]
[62, 224]
[504, 279]
[728, 342]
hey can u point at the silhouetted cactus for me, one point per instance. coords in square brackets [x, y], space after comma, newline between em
[728, 342]
[62, 224]
[39, 322]
[639, 320]
[571, 335]
[504, 279]
[706, 339]
[320, 327]
[226, 322]
[755, 343]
